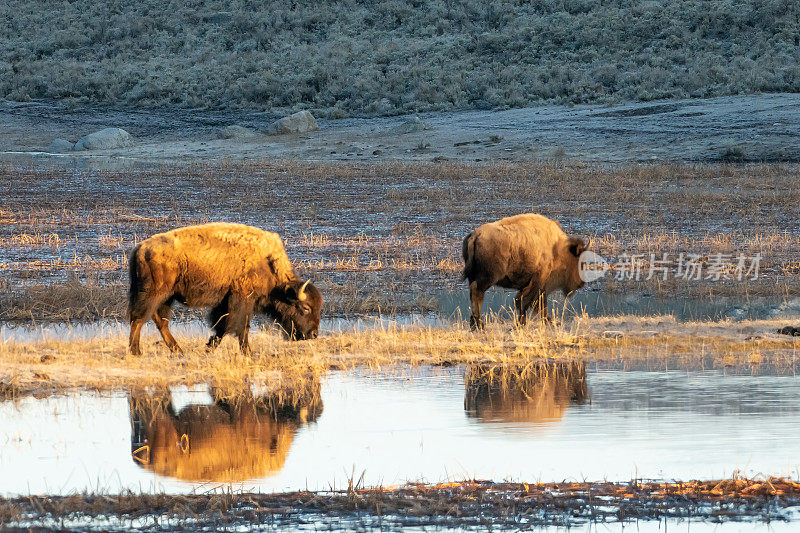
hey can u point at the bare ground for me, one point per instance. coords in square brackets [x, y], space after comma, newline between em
[735, 128]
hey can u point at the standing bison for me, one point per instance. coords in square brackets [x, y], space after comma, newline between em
[529, 253]
[234, 269]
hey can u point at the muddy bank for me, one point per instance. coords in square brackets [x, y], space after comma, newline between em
[735, 128]
[463, 505]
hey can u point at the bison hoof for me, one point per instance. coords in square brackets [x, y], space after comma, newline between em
[475, 324]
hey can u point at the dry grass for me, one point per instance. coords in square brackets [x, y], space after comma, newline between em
[459, 504]
[624, 342]
[388, 235]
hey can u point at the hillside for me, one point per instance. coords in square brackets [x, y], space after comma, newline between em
[353, 58]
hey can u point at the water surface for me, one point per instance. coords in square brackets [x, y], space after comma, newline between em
[420, 425]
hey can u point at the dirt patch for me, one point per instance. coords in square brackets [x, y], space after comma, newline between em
[762, 127]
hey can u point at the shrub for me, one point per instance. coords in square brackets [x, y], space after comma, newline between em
[353, 57]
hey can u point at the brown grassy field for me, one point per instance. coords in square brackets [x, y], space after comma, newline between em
[386, 237]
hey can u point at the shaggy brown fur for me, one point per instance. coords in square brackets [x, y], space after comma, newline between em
[529, 253]
[224, 442]
[537, 394]
[234, 269]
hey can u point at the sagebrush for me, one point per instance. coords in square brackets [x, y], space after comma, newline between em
[350, 57]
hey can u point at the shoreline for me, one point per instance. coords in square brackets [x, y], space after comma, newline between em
[459, 504]
[625, 342]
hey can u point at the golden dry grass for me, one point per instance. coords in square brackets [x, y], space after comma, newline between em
[618, 342]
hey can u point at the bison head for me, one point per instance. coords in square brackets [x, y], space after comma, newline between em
[573, 281]
[296, 306]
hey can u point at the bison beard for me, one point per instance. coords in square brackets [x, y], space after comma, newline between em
[235, 270]
[529, 253]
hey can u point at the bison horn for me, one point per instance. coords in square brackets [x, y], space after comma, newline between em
[301, 293]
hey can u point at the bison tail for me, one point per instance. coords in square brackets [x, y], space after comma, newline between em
[468, 252]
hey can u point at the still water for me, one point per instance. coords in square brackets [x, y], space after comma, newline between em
[556, 423]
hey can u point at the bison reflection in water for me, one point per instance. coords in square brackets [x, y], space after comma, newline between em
[226, 442]
[534, 394]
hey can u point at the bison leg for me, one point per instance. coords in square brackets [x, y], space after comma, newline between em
[244, 335]
[476, 293]
[239, 322]
[161, 318]
[213, 342]
[231, 316]
[136, 330]
[219, 323]
[531, 294]
[152, 285]
[140, 313]
[522, 309]
[539, 300]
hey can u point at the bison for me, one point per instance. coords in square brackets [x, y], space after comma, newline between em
[235, 270]
[529, 253]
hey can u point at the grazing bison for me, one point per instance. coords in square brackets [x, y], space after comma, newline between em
[234, 269]
[529, 253]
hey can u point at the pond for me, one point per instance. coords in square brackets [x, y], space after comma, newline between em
[542, 423]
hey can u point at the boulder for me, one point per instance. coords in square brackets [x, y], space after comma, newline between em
[236, 132]
[59, 146]
[105, 139]
[299, 122]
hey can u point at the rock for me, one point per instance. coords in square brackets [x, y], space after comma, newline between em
[409, 126]
[299, 122]
[237, 132]
[105, 139]
[59, 146]
[612, 334]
